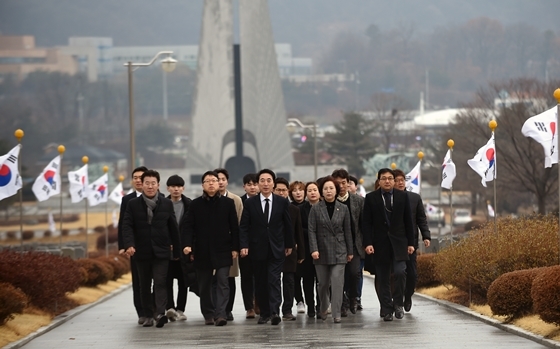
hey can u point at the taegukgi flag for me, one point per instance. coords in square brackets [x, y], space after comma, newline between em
[543, 128]
[117, 194]
[448, 171]
[48, 182]
[78, 183]
[413, 179]
[98, 191]
[10, 180]
[484, 161]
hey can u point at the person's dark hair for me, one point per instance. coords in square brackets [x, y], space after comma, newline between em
[138, 169]
[353, 179]
[376, 185]
[150, 173]
[175, 180]
[293, 186]
[281, 180]
[383, 171]
[208, 173]
[222, 171]
[266, 170]
[329, 179]
[398, 173]
[250, 177]
[340, 173]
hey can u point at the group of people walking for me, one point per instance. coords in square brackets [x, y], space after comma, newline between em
[306, 242]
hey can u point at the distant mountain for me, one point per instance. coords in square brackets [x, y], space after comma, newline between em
[309, 25]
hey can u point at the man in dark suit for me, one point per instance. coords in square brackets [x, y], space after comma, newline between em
[137, 191]
[388, 234]
[151, 235]
[212, 234]
[250, 185]
[266, 236]
[419, 222]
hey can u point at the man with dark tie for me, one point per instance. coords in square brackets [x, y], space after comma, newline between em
[266, 236]
[388, 234]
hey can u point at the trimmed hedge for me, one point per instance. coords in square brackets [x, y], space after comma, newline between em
[12, 301]
[119, 268]
[510, 294]
[426, 271]
[475, 262]
[98, 272]
[43, 277]
[546, 294]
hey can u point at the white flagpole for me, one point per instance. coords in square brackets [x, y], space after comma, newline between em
[450, 144]
[19, 135]
[105, 170]
[85, 160]
[493, 124]
[420, 156]
[61, 150]
[557, 96]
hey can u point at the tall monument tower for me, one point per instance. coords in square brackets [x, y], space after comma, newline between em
[260, 132]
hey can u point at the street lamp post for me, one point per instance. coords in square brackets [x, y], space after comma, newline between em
[296, 122]
[168, 65]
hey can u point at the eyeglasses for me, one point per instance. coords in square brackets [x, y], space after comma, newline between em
[281, 190]
[400, 180]
[211, 181]
[387, 179]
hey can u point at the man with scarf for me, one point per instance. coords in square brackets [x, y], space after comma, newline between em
[151, 235]
[352, 273]
[212, 236]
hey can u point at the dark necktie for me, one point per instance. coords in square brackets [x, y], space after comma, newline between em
[266, 209]
[388, 206]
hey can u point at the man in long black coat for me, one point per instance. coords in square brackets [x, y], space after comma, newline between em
[212, 235]
[149, 230]
[388, 234]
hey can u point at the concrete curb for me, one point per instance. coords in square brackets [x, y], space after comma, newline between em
[493, 322]
[64, 317]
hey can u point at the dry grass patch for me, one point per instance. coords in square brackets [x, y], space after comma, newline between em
[32, 319]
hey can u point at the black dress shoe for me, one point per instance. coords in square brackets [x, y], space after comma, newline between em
[399, 312]
[161, 320]
[388, 317]
[149, 322]
[359, 306]
[141, 320]
[263, 320]
[353, 305]
[229, 316]
[381, 315]
[221, 322]
[275, 319]
[344, 312]
[407, 304]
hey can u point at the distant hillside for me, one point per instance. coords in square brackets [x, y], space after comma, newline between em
[309, 25]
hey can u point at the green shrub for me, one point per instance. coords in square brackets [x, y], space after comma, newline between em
[510, 294]
[473, 263]
[426, 271]
[546, 295]
[12, 301]
[97, 272]
[43, 277]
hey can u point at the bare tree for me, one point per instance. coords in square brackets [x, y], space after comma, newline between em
[388, 112]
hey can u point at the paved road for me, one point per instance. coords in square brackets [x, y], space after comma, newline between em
[112, 324]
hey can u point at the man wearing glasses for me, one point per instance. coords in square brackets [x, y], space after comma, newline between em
[388, 234]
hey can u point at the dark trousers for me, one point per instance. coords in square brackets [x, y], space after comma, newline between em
[213, 307]
[361, 283]
[136, 289]
[352, 275]
[176, 272]
[232, 289]
[247, 282]
[153, 269]
[268, 291]
[306, 271]
[288, 285]
[389, 300]
[411, 276]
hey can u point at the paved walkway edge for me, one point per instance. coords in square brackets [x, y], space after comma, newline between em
[64, 317]
[496, 323]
